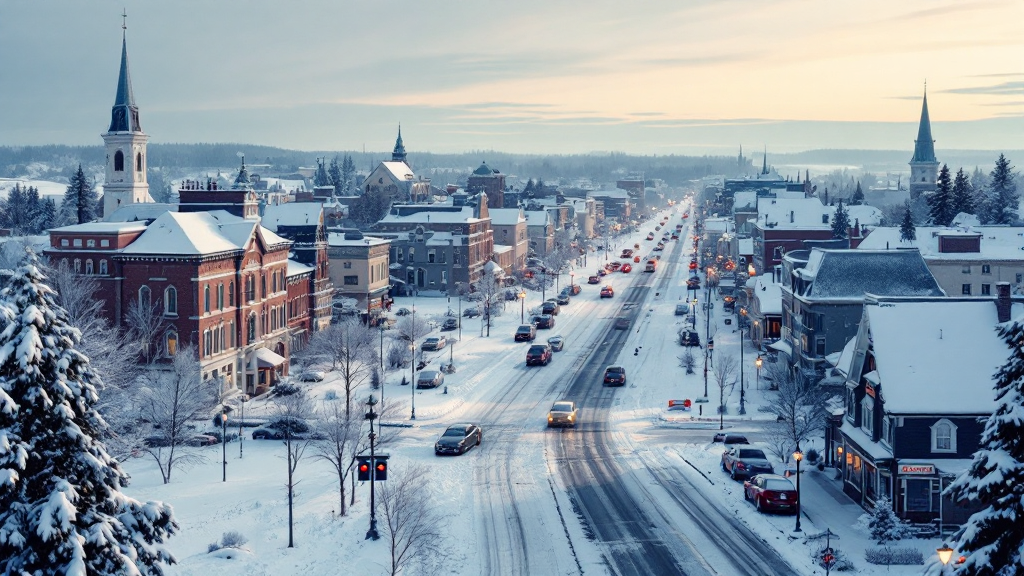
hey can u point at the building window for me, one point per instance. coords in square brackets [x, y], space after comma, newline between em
[88, 266]
[966, 290]
[263, 286]
[444, 277]
[207, 343]
[986, 269]
[444, 257]
[231, 329]
[206, 299]
[886, 431]
[252, 327]
[103, 267]
[104, 243]
[986, 289]
[170, 301]
[966, 269]
[171, 343]
[220, 296]
[347, 265]
[90, 243]
[399, 255]
[943, 436]
[118, 161]
[867, 414]
[231, 293]
[431, 256]
[64, 242]
[351, 280]
[78, 266]
[412, 254]
[77, 242]
[819, 348]
[145, 297]
[250, 288]
[138, 162]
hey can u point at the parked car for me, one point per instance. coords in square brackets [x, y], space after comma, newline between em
[544, 321]
[281, 427]
[434, 343]
[595, 279]
[626, 268]
[622, 323]
[770, 492]
[563, 299]
[576, 288]
[310, 376]
[556, 343]
[429, 379]
[615, 376]
[458, 439]
[626, 253]
[157, 441]
[403, 312]
[538, 355]
[550, 307]
[450, 324]
[613, 266]
[526, 333]
[730, 438]
[511, 294]
[693, 282]
[607, 292]
[602, 272]
[563, 413]
[689, 338]
[471, 312]
[659, 247]
[744, 462]
[682, 309]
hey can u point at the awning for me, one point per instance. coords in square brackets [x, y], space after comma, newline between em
[781, 346]
[267, 359]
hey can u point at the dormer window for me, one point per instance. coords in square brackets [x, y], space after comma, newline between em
[943, 436]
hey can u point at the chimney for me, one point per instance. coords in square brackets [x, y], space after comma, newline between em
[792, 215]
[1003, 301]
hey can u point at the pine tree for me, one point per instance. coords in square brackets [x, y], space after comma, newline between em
[348, 172]
[320, 178]
[940, 201]
[1002, 194]
[979, 182]
[963, 195]
[841, 222]
[992, 538]
[885, 525]
[334, 172]
[858, 196]
[80, 201]
[908, 232]
[61, 506]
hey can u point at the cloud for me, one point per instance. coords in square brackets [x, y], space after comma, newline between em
[946, 10]
[1002, 89]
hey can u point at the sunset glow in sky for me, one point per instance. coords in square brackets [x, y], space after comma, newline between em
[654, 76]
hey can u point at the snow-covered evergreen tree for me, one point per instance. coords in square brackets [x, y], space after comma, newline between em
[348, 171]
[940, 202]
[908, 233]
[80, 202]
[885, 525]
[1002, 194]
[963, 195]
[61, 506]
[993, 537]
[841, 222]
[334, 172]
[858, 196]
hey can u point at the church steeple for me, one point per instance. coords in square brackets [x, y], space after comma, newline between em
[764, 165]
[124, 115]
[398, 155]
[924, 166]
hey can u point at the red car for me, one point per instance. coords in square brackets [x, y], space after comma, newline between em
[626, 269]
[770, 492]
[607, 292]
[614, 265]
[539, 354]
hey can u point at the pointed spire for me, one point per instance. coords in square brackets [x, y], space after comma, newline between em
[924, 146]
[764, 165]
[124, 115]
[242, 181]
[398, 155]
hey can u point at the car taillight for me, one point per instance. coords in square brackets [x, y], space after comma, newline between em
[741, 466]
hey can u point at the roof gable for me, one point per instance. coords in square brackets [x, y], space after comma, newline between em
[850, 274]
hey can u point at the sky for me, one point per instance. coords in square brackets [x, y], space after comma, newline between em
[530, 76]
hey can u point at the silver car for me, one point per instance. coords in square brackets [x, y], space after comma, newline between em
[563, 413]
[429, 379]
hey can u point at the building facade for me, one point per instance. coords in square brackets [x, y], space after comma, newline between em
[360, 269]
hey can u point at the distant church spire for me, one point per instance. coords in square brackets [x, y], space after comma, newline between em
[924, 166]
[124, 115]
[398, 155]
[764, 165]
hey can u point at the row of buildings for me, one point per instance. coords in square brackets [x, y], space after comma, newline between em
[902, 332]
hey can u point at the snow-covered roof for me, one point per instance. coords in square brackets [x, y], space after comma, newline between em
[100, 227]
[291, 214]
[537, 217]
[505, 216]
[791, 213]
[845, 357]
[744, 199]
[338, 239]
[874, 449]
[446, 215]
[140, 211]
[621, 194]
[768, 294]
[746, 246]
[296, 268]
[197, 233]
[850, 274]
[863, 214]
[502, 249]
[400, 170]
[718, 225]
[997, 242]
[937, 356]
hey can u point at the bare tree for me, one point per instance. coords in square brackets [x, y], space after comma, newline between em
[407, 331]
[411, 521]
[489, 288]
[145, 321]
[725, 378]
[291, 410]
[348, 345]
[340, 441]
[800, 411]
[171, 399]
[688, 360]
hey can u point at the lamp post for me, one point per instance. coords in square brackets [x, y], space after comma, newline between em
[224, 443]
[522, 306]
[798, 456]
[743, 407]
[572, 277]
[758, 363]
[241, 439]
[412, 385]
[382, 379]
[372, 534]
[945, 555]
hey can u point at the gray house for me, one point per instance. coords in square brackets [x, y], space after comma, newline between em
[823, 293]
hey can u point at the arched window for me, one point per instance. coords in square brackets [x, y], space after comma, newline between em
[78, 266]
[220, 296]
[170, 301]
[145, 297]
[118, 161]
[252, 328]
[221, 340]
[273, 281]
[943, 436]
[64, 263]
[171, 346]
[231, 293]
[263, 286]
[103, 267]
[207, 343]
[138, 162]
[206, 298]
[88, 266]
[250, 288]
[231, 330]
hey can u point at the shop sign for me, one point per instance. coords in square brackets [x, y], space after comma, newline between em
[917, 469]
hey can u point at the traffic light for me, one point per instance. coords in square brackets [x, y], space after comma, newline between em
[363, 469]
[380, 471]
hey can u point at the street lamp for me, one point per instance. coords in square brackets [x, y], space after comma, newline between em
[372, 534]
[758, 363]
[522, 307]
[945, 555]
[572, 276]
[743, 407]
[798, 456]
[224, 442]
[241, 439]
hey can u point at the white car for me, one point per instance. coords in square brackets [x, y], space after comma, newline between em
[310, 376]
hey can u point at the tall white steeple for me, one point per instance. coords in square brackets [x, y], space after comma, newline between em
[126, 145]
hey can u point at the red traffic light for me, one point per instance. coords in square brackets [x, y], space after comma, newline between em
[363, 470]
[381, 470]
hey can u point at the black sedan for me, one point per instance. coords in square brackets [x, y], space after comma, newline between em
[450, 324]
[458, 439]
[743, 462]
